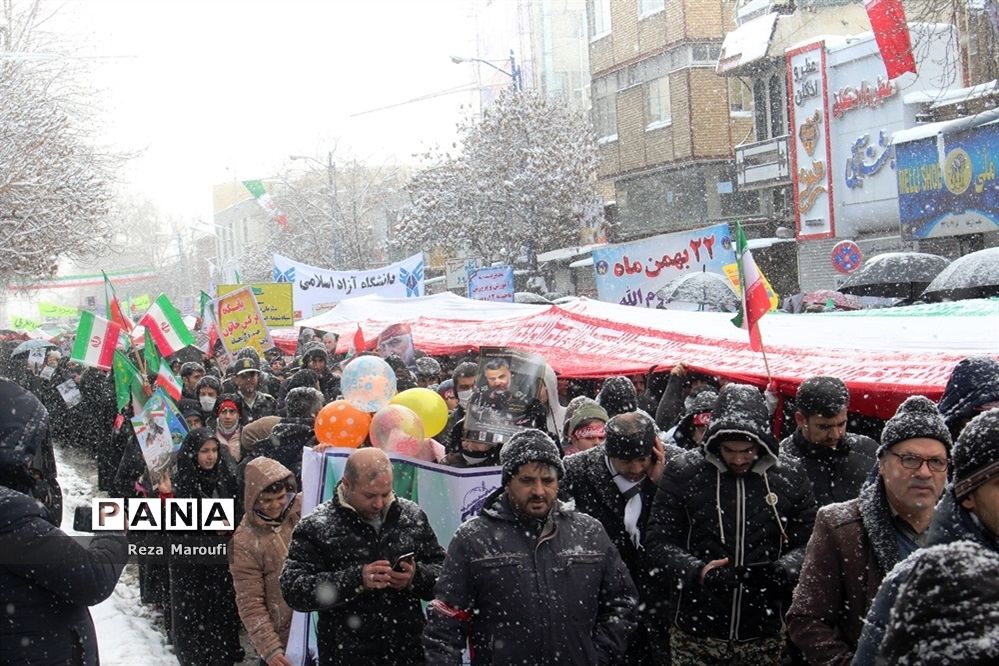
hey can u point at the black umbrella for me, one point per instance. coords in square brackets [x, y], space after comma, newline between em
[705, 289]
[895, 275]
[974, 275]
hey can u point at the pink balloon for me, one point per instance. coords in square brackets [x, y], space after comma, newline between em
[397, 429]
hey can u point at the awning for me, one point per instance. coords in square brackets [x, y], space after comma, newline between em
[747, 43]
[564, 253]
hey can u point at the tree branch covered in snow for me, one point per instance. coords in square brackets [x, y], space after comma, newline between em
[364, 202]
[526, 173]
[55, 186]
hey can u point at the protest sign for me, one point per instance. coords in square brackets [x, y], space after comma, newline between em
[36, 359]
[54, 311]
[448, 495]
[457, 271]
[307, 336]
[70, 392]
[19, 323]
[318, 289]
[505, 398]
[240, 323]
[153, 436]
[273, 298]
[47, 372]
[633, 273]
[494, 283]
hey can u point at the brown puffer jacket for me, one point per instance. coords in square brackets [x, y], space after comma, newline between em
[259, 551]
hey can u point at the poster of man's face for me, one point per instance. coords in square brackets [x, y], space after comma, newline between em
[497, 373]
[397, 340]
[330, 340]
[506, 386]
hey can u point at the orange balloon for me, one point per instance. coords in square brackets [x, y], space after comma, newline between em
[341, 424]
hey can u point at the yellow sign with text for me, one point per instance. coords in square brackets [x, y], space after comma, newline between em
[240, 322]
[274, 299]
[732, 272]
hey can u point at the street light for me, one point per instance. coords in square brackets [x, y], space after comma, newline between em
[330, 167]
[514, 72]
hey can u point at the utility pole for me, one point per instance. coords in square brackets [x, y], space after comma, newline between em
[331, 177]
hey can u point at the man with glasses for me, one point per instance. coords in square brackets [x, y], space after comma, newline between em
[856, 543]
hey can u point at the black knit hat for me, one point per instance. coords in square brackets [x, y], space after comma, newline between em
[975, 459]
[630, 436]
[314, 349]
[740, 414]
[918, 416]
[618, 396]
[974, 382]
[822, 396]
[529, 446]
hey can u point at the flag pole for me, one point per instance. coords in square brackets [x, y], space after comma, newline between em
[766, 363]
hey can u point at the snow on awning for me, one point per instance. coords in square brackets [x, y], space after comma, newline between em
[747, 43]
[945, 127]
[582, 263]
[564, 253]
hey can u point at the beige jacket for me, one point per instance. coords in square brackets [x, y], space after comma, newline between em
[259, 551]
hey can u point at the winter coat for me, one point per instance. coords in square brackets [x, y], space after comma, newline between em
[202, 601]
[256, 432]
[670, 408]
[836, 474]
[704, 512]
[322, 573]
[48, 580]
[948, 609]
[259, 549]
[588, 482]
[564, 597]
[851, 549]
[951, 522]
[97, 388]
[264, 404]
[286, 442]
[683, 433]
[973, 382]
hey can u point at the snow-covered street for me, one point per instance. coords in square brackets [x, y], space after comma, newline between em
[129, 633]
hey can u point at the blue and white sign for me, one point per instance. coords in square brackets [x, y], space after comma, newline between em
[633, 273]
[318, 289]
[494, 283]
[949, 190]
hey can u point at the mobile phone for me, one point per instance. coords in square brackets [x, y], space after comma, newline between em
[403, 558]
[82, 519]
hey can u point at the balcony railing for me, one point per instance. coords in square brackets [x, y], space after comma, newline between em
[763, 164]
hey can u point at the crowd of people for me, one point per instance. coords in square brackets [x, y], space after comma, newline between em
[667, 518]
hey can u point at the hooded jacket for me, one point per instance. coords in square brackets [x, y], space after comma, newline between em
[851, 549]
[974, 382]
[322, 573]
[259, 550]
[48, 580]
[683, 433]
[836, 474]
[703, 512]
[562, 598]
[27, 461]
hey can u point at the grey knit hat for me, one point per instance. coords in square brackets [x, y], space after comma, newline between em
[529, 446]
[918, 416]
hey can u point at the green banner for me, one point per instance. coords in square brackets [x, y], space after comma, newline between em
[138, 304]
[55, 311]
[23, 323]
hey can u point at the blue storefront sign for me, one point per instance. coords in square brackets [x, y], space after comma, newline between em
[949, 192]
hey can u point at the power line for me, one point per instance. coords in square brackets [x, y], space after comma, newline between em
[467, 87]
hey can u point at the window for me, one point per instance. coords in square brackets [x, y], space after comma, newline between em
[646, 7]
[705, 54]
[657, 104]
[599, 17]
[740, 100]
[605, 117]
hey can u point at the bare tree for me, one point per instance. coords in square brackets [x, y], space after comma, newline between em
[349, 220]
[524, 178]
[55, 184]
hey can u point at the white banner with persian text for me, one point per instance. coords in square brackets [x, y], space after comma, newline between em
[316, 290]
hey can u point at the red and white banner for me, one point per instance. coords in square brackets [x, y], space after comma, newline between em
[892, 34]
[883, 357]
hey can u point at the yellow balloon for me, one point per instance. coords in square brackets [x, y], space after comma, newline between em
[428, 405]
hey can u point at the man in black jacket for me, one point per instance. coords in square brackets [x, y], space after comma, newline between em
[531, 580]
[729, 524]
[47, 578]
[292, 433]
[347, 561]
[615, 482]
[837, 462]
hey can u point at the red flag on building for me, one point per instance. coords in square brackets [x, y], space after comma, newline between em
[892, 34]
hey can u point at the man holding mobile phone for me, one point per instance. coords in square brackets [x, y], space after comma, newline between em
[364, 560]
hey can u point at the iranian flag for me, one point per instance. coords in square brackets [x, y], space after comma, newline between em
[169, 381]
[113, 306]
[755, 302]
[95, 341]
[259, 192]
[166, 326]
[356, 344]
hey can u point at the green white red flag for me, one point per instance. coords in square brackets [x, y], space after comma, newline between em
[755, 301]
[169, 382]
[259, 191]
[96, 338]
[113, 306]
[167, 327]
